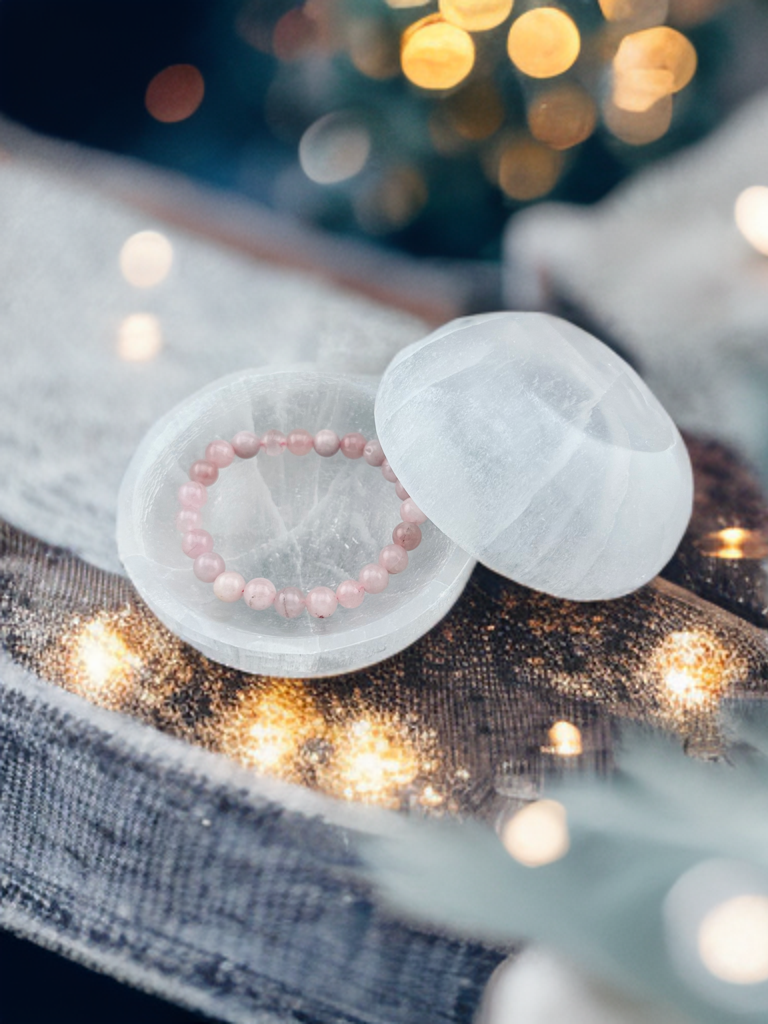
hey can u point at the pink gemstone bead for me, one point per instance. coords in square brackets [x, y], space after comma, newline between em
[407, 535]
[300, 442]
[259, 593]
[229, 586]
[352, 445]
[387, 472]
[188, 519]
[208, 566]
[193, 495]
[393, 558]
[401, 492]
[204, 472]
[326, 443]
[350, 594]
[274, 442]
[289, 602]
[411, 513]
[245, 444]
[321, 602]
[373, 453]
[196, 542]
[220, 453]
[374, 578]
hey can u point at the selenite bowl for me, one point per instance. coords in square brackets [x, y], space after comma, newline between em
[540, 451]
[300, 521]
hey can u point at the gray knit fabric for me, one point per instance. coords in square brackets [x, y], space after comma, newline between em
[174, 870]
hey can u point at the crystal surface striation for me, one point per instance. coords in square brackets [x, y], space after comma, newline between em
[539, 451]
[300, 521]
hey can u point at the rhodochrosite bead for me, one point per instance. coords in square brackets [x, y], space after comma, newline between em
[540, 452]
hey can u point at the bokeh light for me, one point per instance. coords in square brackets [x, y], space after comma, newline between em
[476, 15]
[693, 666]
[146, 259]
[400, 5]
[733, 940]
[527, 169]
[335, 148]
[751, 213]
[99, 664]
[374, 759]
[735, 542]
[435, 54]
[175, 93]
[661, 50]
[543, 42]
[637, 90]
[268, 728]
[139, 338]
[564, 740]
[537, 834]
[562, 117]
[638, 128]
[476, 111]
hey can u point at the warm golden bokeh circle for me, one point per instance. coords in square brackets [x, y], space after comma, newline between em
[638, 128]
[543, 42]
[527, 169]
[175, 93]
[436, 54]
[638, 89]
[562, 117]
[476, 15]
[660, 49]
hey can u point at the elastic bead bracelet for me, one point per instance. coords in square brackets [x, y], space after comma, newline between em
[261, 593]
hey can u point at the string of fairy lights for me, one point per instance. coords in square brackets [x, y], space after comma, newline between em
[276, 727]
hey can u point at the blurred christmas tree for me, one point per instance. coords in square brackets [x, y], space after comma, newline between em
[420, 124]
[427, 123]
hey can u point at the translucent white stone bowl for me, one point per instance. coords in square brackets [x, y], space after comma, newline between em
[539, 451]
[303, 521]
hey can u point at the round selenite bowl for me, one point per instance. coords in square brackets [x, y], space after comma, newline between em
[300, 521]
[539, 451]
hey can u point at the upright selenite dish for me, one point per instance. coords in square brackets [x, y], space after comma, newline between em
[300, 521]
[539, 451]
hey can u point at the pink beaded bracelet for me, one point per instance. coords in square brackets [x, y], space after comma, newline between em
[260, 593]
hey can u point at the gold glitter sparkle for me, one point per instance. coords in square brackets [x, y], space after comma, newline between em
[497, 691]
[374, 759]
[268, 727]
[99, 664]
[694, 668]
